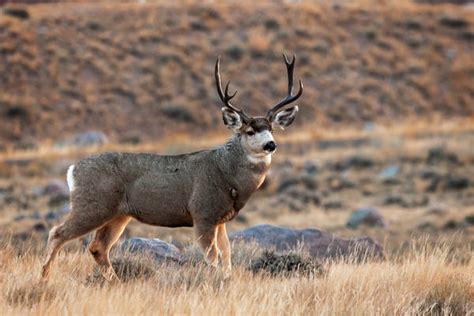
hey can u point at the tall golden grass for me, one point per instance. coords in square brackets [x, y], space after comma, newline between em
[422, 280]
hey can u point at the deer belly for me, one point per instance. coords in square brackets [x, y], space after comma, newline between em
[164, 218]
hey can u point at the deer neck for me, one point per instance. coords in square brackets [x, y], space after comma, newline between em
[235, 158]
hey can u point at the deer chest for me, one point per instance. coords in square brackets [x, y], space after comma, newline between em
[228, 216]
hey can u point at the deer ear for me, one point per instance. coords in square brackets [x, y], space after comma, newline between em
[285, 118]
[231, 119]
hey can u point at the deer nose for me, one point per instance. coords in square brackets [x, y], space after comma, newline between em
[270, 146]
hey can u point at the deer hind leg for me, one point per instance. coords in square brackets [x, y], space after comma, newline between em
[224, 246]
[206, 237]
[105, 238]
[74, 227]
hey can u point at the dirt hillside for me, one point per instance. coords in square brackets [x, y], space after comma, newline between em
[147, 69]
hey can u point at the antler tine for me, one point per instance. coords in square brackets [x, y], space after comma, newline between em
[225, 96]
[290, 66]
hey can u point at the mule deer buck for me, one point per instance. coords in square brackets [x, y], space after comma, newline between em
[204, 189]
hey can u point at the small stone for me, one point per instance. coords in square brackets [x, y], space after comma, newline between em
[469, 219]
[39, 227]
[318, 244]
[329, 205]
[457, 183]
[53, 187]
[389, 172]
[35, 215]
[436, 211]
[50, 216]
[310, 167]
[451, 224]
[439, 154]
[90, 138]
[425, 225]
[58, 199]
[395, 200]
[367, 216]
[159, 250]
[453, 21]
[19, 218]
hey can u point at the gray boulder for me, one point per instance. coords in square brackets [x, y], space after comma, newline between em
[157, 249]
[319, 244]
[85, 139]
[53, 187]
[365, 216]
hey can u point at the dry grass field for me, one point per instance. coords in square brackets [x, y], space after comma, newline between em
[386, 122]
[425, 282]
[428, 270]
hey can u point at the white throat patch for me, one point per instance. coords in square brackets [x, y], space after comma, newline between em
[267, 159]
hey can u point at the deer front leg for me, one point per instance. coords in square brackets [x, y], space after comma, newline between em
[206, 237]
[224, 246]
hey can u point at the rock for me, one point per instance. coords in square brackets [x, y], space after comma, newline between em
[389, 172]
[425, 225]
[39, 227]
[436, 210]
[339, 183]
[35, 215]
[51, 216]
[448, 182]
[451, 224]
[416, 201]
[395, 200]
[304, 196]
[58, 199]
[57, 191]
[456, 183]
[369, 126]
[318, 244]
[367, 216]
[305, 180]
[295, 205]
[17, 12]
[469, 219]
[19, 218]
[335, 204]
[357, 162]
[52, 188]
[64, 209]
[428, 174]
[453, 21]
[157, 249]
[310, 167]
[90, 138]
[439, 154]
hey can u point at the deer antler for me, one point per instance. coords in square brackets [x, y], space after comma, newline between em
[225, 96]
[290, 66]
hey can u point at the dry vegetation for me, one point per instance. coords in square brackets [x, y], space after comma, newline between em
[143, 75]
[141, 71]
[428, 271]
[425, 282]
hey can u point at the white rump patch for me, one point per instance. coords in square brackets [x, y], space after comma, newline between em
[70, 178]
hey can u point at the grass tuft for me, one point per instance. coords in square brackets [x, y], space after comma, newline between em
[286, 264]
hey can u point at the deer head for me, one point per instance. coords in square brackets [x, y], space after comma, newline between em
[256, 132]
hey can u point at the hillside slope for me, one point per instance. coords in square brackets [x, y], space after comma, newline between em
[131, 69]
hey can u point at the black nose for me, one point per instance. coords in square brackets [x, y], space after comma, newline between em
[270, 146]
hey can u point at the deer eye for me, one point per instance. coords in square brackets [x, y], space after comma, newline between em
[250, 133]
